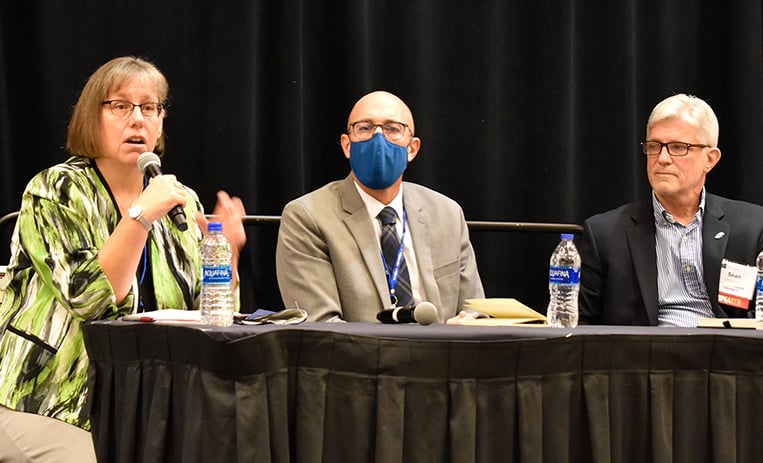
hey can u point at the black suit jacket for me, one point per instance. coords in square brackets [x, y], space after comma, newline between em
[619, 261]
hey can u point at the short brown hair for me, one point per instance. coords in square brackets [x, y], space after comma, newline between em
[82, 139]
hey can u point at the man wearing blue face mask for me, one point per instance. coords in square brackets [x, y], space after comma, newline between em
[371, 241]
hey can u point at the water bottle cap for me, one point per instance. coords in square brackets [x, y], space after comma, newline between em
[567, 236]
[215, 226]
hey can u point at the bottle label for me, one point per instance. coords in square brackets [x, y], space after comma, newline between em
[760, 284]
[217, 275]
[564, 275]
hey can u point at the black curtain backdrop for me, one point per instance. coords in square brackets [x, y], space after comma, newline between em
[527, 111]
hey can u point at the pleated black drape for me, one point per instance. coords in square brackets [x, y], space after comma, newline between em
[335, 392]
[527, 111]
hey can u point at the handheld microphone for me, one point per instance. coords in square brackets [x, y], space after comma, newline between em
[424, 314]
[151, 166]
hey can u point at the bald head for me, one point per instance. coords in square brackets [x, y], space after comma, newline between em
[381, 106]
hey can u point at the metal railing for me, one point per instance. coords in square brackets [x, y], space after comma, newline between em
[472, 224]
[525, 226]
[7, 218]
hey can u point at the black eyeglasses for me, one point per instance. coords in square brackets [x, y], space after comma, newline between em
[123, 109]
[364, 130]
[675, 148]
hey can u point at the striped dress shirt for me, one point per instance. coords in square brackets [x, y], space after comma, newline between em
[683, 298]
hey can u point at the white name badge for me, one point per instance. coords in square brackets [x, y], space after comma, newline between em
[737, 285]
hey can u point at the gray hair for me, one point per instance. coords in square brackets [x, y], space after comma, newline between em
[692, 110]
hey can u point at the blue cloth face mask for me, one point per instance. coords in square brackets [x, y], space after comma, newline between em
[378, 163]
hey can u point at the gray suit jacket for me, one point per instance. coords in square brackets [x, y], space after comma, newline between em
[619, 273]
[328, 258]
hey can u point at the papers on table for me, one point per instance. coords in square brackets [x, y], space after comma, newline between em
[744, 323]
[502, 311]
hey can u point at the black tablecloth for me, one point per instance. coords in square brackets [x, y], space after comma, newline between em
[407, 393]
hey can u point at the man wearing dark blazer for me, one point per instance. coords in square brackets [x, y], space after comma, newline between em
[329, 259]
[657, 261]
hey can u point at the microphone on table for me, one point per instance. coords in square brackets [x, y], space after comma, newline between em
[151, 166]
[424, 314]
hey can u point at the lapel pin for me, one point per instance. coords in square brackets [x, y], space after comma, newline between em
[719, 235]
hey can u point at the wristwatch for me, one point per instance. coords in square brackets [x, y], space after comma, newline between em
[136, 212]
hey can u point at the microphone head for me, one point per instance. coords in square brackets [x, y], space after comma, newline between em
[425, 313]
[147, 159]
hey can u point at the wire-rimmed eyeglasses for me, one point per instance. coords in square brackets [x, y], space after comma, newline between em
[123, 109]
[364, 130]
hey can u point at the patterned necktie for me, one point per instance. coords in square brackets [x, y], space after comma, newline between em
[390, 243]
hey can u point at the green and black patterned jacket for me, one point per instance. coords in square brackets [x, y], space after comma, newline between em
[55, 283]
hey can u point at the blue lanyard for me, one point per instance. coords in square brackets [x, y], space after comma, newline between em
[145, 257]
[392, 276]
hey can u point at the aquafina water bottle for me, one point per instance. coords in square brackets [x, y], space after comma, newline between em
[216, 278]
[564, 284]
